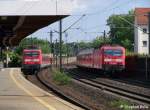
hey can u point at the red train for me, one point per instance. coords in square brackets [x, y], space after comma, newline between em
[33, 60]
[107, 58]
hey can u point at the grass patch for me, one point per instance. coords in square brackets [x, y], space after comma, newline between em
[122, 104]
[60, 78]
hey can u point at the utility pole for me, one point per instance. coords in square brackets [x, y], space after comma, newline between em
[1, 58]
[31, 42]
[56, 52]
[7, 57]
[149, 29]
[66, 35]
[146, 60]
[51, 38]
[1, 53]
[51, 41]
[104, 36]
[60, 44]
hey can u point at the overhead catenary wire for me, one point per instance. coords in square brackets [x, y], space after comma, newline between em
[94, 27]
[132, 24]
[74, 23]
[121, 27]
[70, 27]
[105, 9]
[141, 14]
[96, 13]
[87, 13]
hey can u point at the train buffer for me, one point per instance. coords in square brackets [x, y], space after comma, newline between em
[16, 93]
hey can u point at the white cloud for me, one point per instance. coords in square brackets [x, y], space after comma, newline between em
[37, 7]
[83, 5]
[28, 0]
[80, 4]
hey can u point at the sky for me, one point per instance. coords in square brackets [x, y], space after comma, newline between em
[37, 7]
[94, 22]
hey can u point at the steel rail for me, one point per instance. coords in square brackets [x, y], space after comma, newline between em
[131, 95]
[58, 92]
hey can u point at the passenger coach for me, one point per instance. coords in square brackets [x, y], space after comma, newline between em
[107, 58]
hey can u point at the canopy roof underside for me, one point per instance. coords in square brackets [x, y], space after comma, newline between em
[14, 28]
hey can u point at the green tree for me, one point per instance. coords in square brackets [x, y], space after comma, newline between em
[121, 31]
[43, 44]
[83, 44]
[100, 41]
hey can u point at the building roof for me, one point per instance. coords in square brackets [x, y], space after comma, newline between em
[15, 28]
[141, 15]
[20, 18]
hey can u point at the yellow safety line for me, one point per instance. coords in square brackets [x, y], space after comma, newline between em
[29, 93]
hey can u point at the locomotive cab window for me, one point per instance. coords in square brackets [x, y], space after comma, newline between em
[32, 54]
[113, 52]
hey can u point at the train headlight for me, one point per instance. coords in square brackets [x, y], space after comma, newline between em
[119, 60]
[107, 60]
[27, 60]
[32, 60]
[35, 60]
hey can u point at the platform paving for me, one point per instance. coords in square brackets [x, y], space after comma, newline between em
[16, 93]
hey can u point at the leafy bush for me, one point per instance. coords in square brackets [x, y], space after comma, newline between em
[15, 59]
[61, 78]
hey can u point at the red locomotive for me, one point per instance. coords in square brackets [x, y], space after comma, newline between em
[107, 58]
[33, 60]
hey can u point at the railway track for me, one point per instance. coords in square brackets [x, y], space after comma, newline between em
[140, 87]
[40, 81]
[129, 95]
[145, 84]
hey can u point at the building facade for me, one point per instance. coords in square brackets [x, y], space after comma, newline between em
[141, 37]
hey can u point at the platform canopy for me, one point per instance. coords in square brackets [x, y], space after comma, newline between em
[20, 18]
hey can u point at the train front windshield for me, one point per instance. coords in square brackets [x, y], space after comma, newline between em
[113, 52]
[31, 54]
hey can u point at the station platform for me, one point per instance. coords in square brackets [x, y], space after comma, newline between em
[17, 93]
